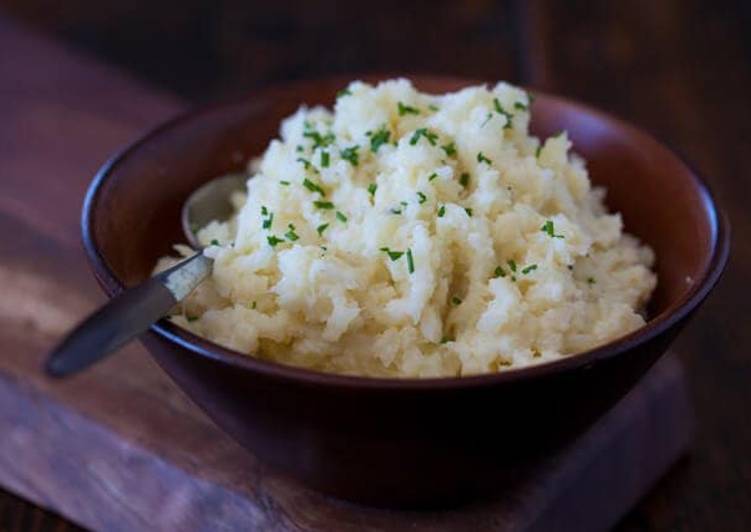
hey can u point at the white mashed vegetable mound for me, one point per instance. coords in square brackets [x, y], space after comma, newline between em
[407, 234]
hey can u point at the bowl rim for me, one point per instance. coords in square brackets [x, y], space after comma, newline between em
[199, 346]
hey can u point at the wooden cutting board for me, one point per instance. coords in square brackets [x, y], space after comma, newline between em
[120, 447]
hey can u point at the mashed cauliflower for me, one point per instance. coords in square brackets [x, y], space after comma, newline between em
[409, 234]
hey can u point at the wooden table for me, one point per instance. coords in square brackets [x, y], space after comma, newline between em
[679, 69]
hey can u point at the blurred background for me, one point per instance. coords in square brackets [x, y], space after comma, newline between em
[679, 68]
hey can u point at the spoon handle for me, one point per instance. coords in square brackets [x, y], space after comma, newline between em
[126, 316]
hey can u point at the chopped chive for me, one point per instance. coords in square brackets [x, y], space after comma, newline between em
[340, 216]
[307, 164]
[191, 318]
[407, 110]
[450, 149]
[395, 210]
[591, 280]
[324, 159]
[319, 141]
[372, 189]
[487, 119]
[441, 211]
[313, 186]
[273, 240]
[379, 138]
[549, 228]
[422, 197]
[433, 107]
[432, 176]
[214, 242]
[323, 205]
[410, 261]
[321, 228]
[529, 269]
[464, 179]
[446, 339]
[268, 221]
[284, 183]
[521, 106]
[482, 159]
[468, 210]
[538, 150]
[299, 148]
[264, 210]
[253, 305]
[423, 132]
[393, 255]
[499, 272]
[500, 110]
[456, 301]
[350, 154]
[343, 92]
[291, 235]
[512, 264]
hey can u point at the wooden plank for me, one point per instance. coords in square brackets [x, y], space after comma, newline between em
[120, 447]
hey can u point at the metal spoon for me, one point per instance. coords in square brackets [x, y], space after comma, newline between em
[131, 313]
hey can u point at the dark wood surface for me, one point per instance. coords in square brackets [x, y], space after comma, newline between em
[679, 68]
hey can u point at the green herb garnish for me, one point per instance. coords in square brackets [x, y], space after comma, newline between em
[191, 318]
[323, 205]
[350, 154]
[253, 305]
[410, 261]
[456, 301]
[512, 264]
[549, 228]
[482, 159]
[441, 211]
[423, 132]
[450, 149]
[432, 176]
[321, 228]
[284, 183]
[499, 272]
[538, 150]
[421, 197]
[307, 164]
[393, 255]
[379, 138]
[343, 92]
[313, 187]
[325, 159]
[433, 107]
[591, 280]
[291, 235]
[266, 223]
[500, 110]
[468, 211]
[464, 179]
[407, 110]
[487, 119]
[319, 141]
[372, 189]
[340, 216]
[529, 269]
[214, 242]
[273, 241]
[521, 106]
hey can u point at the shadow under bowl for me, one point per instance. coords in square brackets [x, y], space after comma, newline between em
[402, 442]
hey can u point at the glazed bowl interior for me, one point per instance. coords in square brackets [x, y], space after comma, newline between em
[132, 213]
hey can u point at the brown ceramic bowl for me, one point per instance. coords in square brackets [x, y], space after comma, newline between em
[388, 441]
